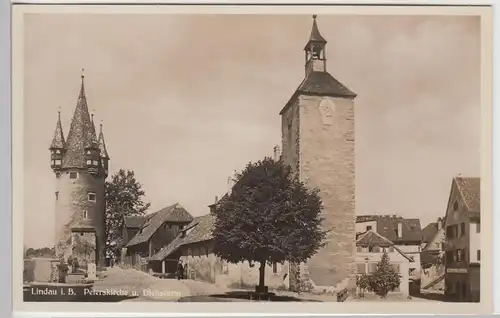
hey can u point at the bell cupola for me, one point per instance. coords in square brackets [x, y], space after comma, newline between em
[315, 50]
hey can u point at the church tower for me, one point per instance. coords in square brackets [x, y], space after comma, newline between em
[318, 143]
[80, 164]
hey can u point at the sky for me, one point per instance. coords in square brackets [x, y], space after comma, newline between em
[187, 99]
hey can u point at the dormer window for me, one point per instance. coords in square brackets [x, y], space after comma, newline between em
[73, 175]
[91, 197]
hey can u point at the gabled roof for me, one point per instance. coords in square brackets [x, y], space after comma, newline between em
[58, 140]
[81, 134]
[371, 238]
[429, 232]
[197, 231]
[387, 226]
[174, 213]
[134, 221]
[470, 189]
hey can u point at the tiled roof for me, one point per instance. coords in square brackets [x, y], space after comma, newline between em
[322, 83]
[470, 188]
[102, 145]
[429, 232]
[173, 213]
[58, 140]
[370, 238]
[134, 221]
[197, 231]
[81, 134]
[387, 226]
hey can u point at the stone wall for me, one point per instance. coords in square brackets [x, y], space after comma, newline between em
[203, 265]
[71, 201]
[318, 142]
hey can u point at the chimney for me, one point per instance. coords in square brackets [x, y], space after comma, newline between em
[440, 223]
[400, 230]
[277, 153]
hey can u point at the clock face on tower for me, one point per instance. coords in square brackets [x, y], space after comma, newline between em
[326, 109]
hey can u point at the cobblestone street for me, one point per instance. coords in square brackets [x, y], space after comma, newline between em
[148, 288]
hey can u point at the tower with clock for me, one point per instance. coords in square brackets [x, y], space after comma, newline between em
[318, 143]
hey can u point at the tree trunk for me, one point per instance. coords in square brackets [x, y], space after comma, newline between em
[262, 271]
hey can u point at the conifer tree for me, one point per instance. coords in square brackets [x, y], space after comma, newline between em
[385, 278]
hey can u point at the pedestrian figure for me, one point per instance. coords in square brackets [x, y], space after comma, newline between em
[180, 271]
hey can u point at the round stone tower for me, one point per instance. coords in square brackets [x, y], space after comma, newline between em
[80, 164]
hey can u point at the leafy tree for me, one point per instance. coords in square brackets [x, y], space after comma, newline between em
[124, 197]
[268, 217]
[363, 283]
[385, 278]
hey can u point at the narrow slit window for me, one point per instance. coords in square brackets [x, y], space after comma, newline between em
[85, 214]
[57, 195]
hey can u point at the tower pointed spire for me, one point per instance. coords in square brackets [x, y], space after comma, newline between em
[81, 133]
[315, 36]
[58, 140]
[102, 144]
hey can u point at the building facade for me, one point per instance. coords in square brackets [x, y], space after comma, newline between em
[158, 230]
[406, 234]
[194, 248]
[318, 144]
[80, 164]
[432, 257]
[370, 247]
[462, 241]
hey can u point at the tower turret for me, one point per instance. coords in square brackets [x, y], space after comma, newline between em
[92, 151]
[103, 152]
[57, 146]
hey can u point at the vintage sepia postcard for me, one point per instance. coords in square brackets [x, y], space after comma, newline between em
[322, 159]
